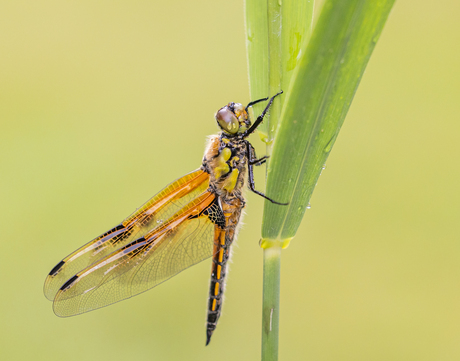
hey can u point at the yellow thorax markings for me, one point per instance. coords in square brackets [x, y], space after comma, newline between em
[222, 166]
[233, 161]
[231, 180]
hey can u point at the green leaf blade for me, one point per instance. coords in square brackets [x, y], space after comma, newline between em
[257, 52]
[275, 32]
[297, 20]
[316, 104]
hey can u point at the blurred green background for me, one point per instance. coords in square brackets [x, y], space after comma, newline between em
[102, 103]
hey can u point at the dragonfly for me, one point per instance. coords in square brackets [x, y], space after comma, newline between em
[193, 218]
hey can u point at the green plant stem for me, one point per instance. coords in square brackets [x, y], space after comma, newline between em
[288, 23]
[271, 303]
[272, 254]
[326, 74]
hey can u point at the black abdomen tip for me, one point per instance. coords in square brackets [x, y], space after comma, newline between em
[208, 336]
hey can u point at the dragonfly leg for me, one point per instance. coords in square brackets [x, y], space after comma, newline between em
[253, 158]
[252, 186]
[255, 102]
[260, 118]
[260, 161]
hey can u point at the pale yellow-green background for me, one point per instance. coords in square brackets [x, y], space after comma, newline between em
[103, 102]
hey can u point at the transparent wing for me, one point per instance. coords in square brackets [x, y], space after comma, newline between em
[151, 215]
[186, 239]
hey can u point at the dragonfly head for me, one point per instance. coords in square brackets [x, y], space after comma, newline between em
[233, 119]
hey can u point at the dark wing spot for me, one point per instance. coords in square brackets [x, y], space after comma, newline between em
[115, 235]
[68, 283]
[56, 268]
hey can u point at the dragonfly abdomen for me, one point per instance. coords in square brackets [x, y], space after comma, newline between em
[223, 240]
[220, 258]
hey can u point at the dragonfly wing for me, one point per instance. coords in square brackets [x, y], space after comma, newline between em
[186, 239]
[151, 215]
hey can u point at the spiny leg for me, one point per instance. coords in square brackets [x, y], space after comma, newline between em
[251, 159]
[255, 102]
[260, 161]
[254, 160]
[260, 118]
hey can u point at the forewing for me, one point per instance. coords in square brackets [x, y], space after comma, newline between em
[151, 215]
[146, 262]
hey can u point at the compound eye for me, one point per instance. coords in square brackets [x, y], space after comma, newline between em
[227, 120]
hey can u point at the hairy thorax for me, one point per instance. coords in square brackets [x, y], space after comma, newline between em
[225, 160]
